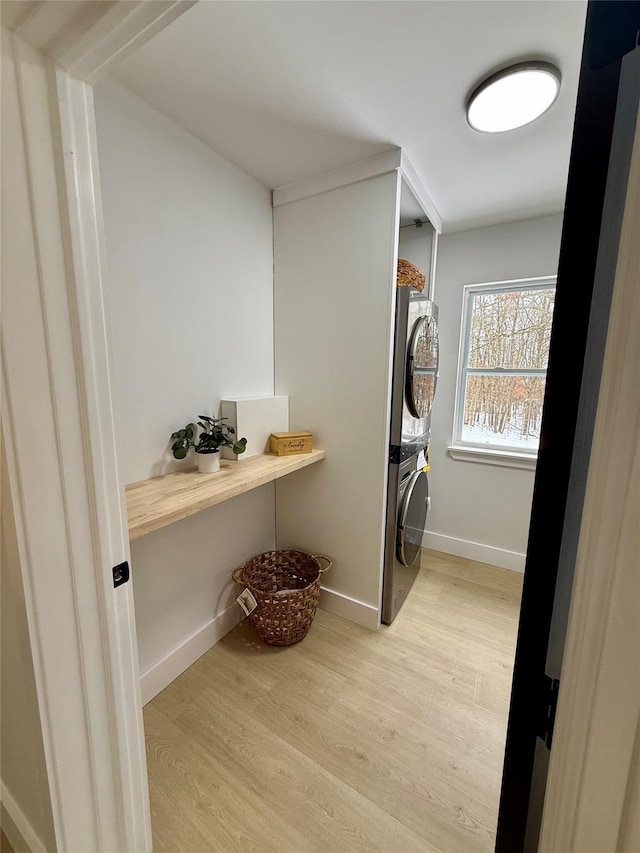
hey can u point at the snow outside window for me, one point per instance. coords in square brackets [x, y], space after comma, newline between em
[504, 351]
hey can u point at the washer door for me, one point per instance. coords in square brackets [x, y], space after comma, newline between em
[412, 517]
[422, 367]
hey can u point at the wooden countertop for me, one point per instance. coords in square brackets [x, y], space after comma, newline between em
[152, 504]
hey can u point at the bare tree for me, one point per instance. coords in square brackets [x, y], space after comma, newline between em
[509, 331]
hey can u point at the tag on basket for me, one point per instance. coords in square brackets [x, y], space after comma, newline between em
[247, 601]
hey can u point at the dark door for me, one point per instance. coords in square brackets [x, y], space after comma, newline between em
[606, 112]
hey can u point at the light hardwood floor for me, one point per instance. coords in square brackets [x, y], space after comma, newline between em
[350, 740]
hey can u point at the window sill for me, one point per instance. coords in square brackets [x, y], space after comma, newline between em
[503, 458]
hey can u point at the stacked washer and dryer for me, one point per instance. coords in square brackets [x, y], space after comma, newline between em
[415, 375]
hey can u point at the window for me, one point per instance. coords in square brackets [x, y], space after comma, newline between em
[503, 364]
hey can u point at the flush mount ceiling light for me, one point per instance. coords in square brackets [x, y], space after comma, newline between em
[513, 97]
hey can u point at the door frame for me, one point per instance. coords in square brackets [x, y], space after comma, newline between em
[592, 804]
[603, 138]
[82, 630]
[58, 423]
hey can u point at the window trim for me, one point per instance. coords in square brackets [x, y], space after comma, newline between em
[489, 456]
[472, 451]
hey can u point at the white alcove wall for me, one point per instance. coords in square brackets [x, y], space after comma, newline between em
[335, 255]
[190, 286]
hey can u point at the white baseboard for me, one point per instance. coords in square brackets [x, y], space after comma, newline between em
[166, 670]
[500, 557]
[350, 608]
[20, 834]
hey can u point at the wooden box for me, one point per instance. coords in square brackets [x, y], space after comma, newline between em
[289, 443]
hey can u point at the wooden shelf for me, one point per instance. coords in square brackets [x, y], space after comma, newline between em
[152, 504]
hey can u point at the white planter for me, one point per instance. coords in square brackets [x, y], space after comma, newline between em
[208, 463]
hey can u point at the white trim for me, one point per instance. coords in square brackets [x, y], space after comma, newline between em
[68, 503]
[15, 825]
[54, 494]
[433, 266]
[534, 281]
[350, 608]
[91, 321]
[503, 458]
[420, 192]
[381, 164]
[173, 664]
[512, 560]
[389, 380]
[168, 668]
[70, 516]
[116, 35]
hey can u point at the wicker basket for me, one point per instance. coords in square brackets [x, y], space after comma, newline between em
[286, 585]
[409, 275]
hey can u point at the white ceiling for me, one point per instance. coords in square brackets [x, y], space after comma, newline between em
[287, 90]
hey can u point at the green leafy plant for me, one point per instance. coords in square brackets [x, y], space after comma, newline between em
[214, 435]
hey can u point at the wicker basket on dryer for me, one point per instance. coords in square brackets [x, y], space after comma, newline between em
[409, 275]
[286, 586]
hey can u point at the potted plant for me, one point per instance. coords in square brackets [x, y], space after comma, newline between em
[214, 435]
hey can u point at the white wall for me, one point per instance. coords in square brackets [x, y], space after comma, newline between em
[25, 791]
[334, 259]
[190, 263]
[485, 505]
[189, 243]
